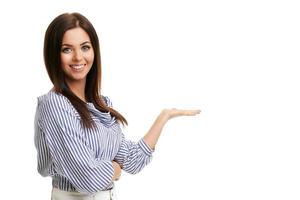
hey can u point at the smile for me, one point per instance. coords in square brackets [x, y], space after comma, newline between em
[77, 66]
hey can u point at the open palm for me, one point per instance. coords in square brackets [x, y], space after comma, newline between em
[174, 112]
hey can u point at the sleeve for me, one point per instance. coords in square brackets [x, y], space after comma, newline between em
[43, 153]
[72, 156]
[132, 156]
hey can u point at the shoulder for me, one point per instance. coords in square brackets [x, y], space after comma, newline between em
[107, 101]
[53, 101]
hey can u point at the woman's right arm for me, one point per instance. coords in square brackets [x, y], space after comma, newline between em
[71, 154]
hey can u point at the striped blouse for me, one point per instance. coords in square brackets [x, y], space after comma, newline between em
[77, 158]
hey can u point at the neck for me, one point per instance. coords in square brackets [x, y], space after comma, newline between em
[78, 88]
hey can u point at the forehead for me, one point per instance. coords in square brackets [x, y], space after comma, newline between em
[75, 36]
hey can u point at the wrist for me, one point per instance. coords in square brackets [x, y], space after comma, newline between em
[164, 115]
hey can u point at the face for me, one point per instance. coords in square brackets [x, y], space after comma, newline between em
[77, 55]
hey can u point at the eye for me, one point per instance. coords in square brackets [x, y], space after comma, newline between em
[85, 48]
[66, 50]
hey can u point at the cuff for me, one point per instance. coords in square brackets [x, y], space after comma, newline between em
[145, 147]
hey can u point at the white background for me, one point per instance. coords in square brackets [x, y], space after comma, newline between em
[237, 61]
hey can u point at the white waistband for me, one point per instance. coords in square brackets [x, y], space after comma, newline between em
[58, 194]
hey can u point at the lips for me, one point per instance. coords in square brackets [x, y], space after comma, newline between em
[77, 67]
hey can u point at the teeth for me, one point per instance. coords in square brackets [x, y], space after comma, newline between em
[77, 66]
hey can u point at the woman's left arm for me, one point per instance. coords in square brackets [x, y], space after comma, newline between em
[133, 157]
[153, 134]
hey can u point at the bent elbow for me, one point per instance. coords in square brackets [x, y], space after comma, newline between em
[42, 171]
[134, 169]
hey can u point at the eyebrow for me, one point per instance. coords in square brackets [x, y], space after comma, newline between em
[80, 44]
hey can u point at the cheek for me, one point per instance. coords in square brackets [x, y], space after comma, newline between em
[90, 57]
[65, 59]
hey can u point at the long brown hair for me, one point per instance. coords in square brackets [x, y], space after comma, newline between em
[52, 49]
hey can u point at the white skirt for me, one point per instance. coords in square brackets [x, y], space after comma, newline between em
[58, 194]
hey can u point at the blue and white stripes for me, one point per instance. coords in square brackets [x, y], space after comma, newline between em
[80, 159]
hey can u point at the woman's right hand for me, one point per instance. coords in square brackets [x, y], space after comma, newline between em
[117, 171]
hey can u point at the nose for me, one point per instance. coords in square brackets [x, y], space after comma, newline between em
[77, 55]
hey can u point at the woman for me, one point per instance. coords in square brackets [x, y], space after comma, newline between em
[77, 132]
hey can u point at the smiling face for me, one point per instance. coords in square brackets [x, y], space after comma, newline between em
[77, 55]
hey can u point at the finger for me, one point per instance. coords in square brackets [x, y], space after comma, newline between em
[191, 112]
[195, 112]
